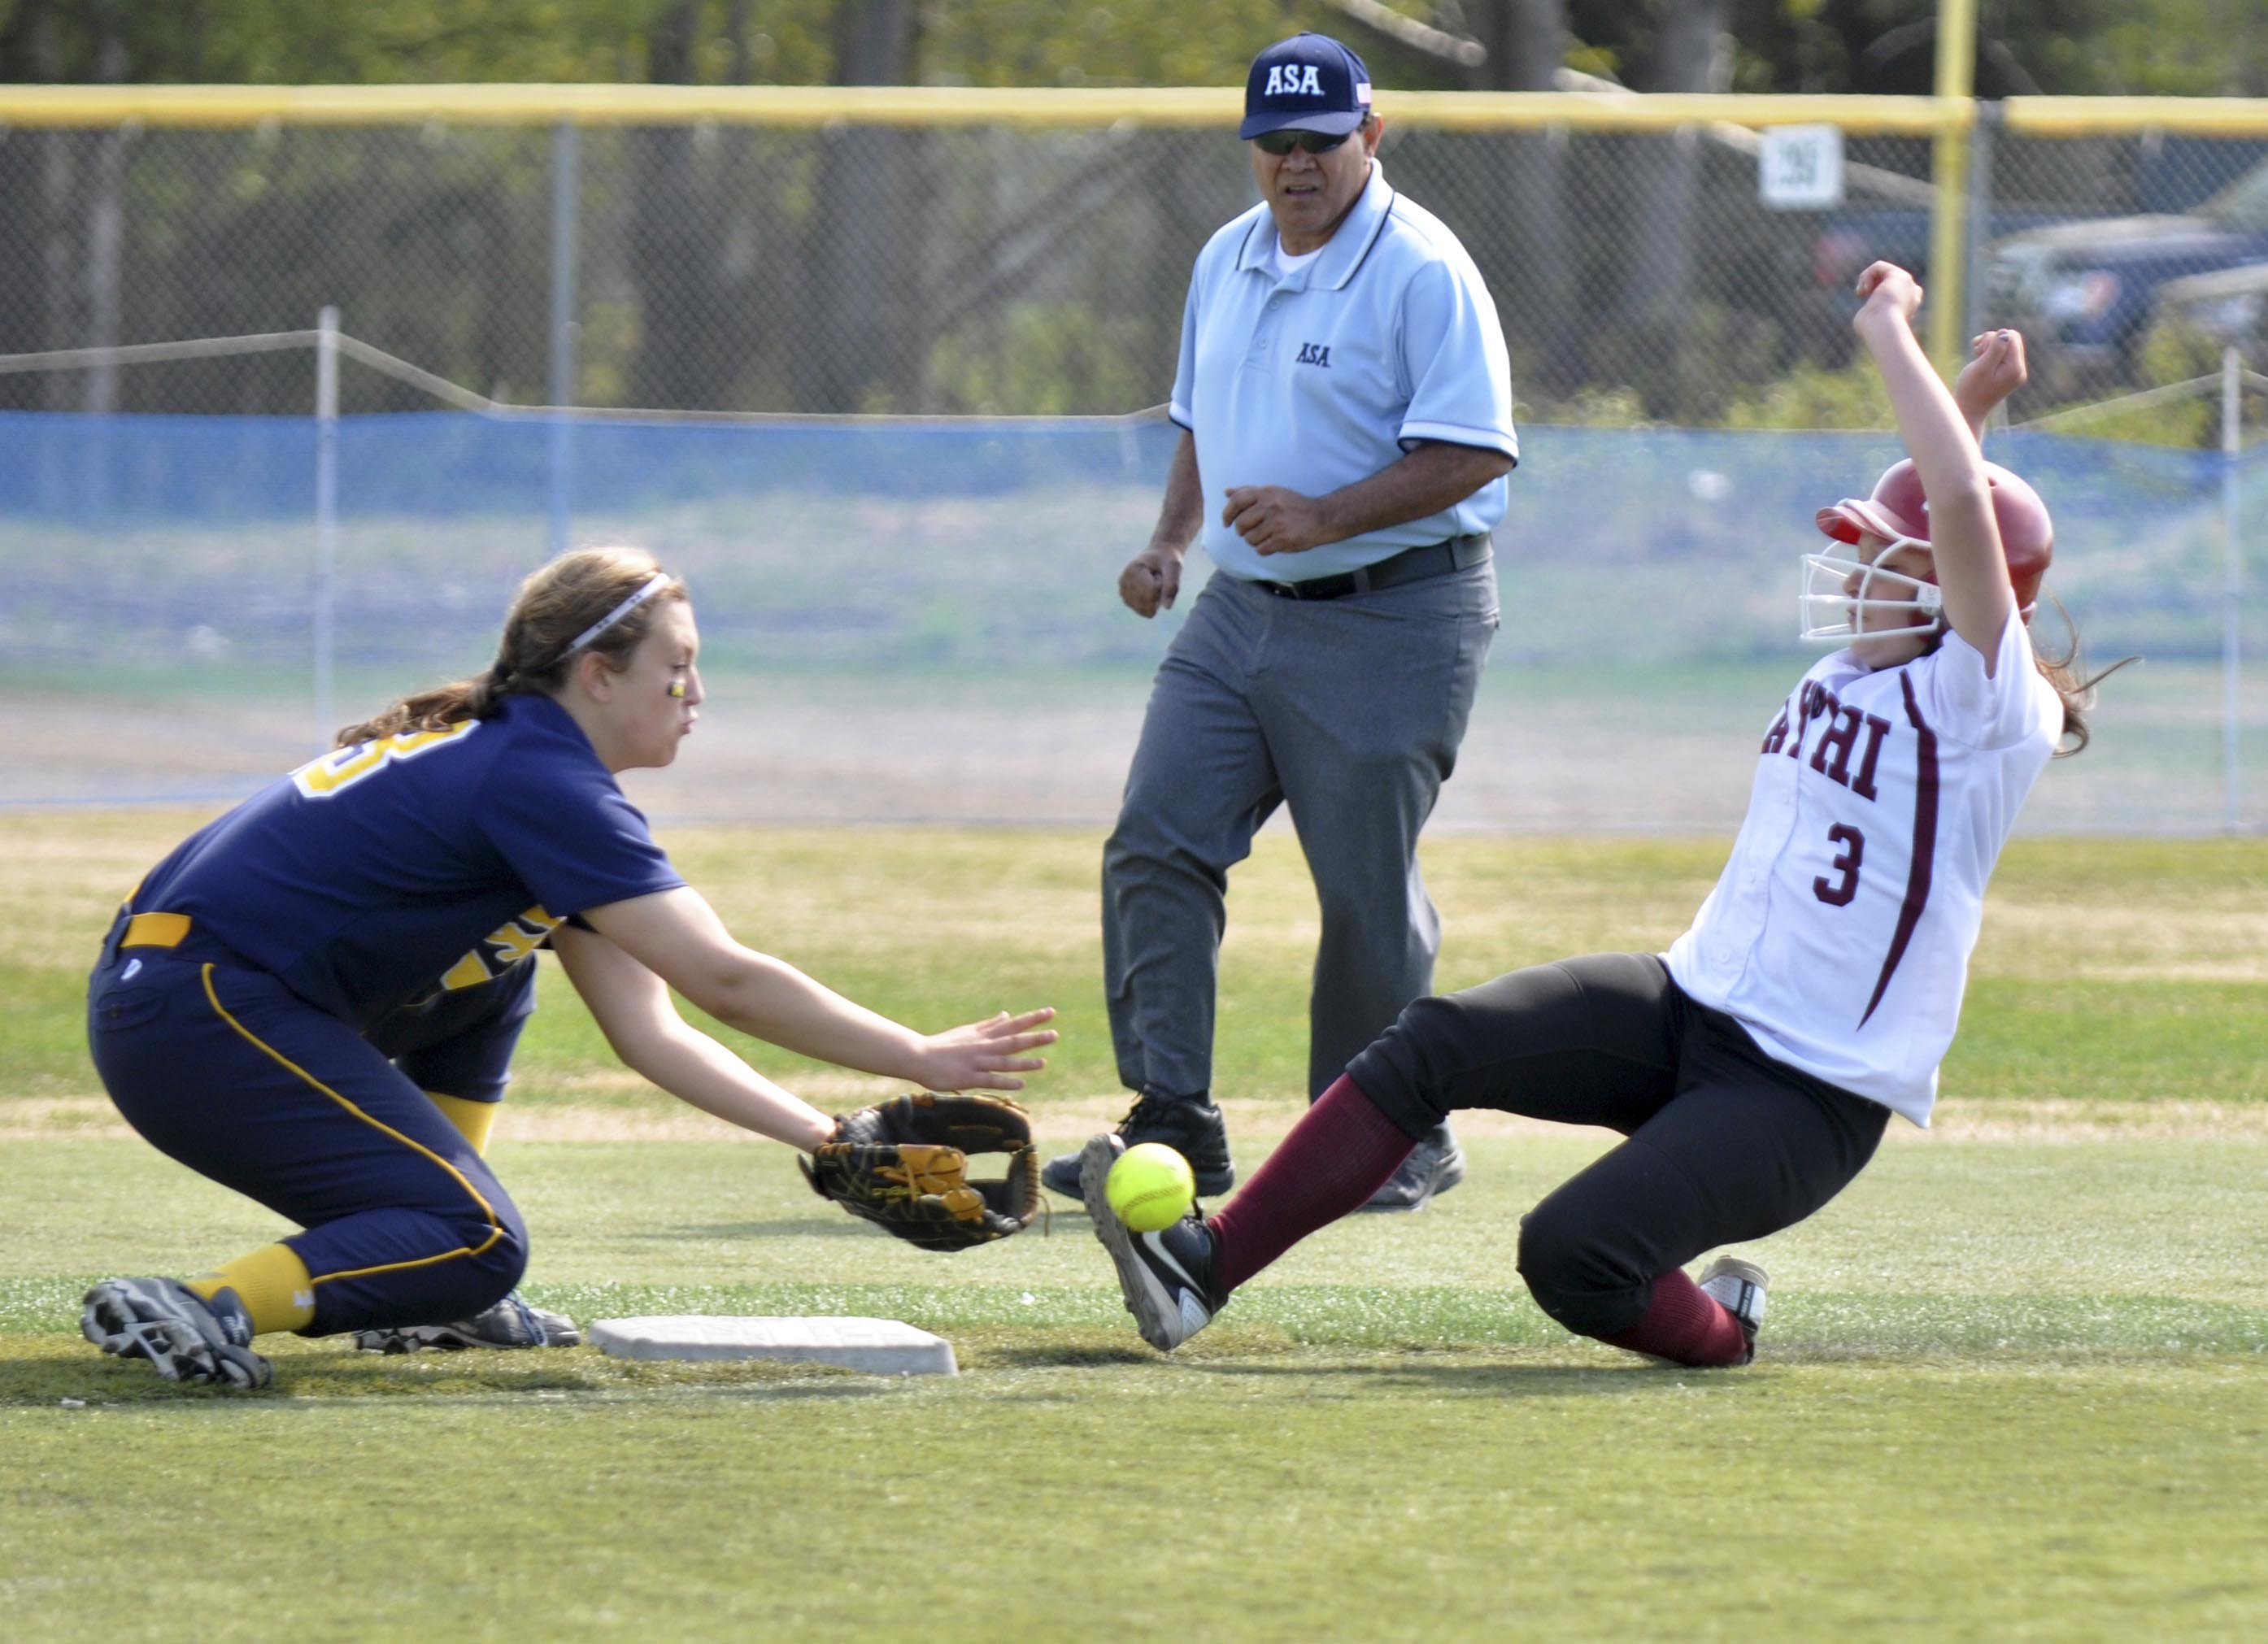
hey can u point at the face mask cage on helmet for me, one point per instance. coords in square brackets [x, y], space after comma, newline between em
[1830, 611]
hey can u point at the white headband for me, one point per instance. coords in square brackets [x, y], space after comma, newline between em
[653, 583]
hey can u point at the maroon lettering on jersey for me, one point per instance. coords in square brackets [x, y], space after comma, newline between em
[1863, 784]
[1832, 758]
[1809, 702]
[1776, 737]
[1847, 865]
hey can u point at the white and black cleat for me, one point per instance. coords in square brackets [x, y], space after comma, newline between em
[184, 1337]
[511, 1322]
[1166, 1276]
[1739, 1287]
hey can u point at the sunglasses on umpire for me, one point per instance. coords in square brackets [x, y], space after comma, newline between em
[1306, 142]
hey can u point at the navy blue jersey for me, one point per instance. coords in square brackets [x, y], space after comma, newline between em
[367, 874]
[458, 1040]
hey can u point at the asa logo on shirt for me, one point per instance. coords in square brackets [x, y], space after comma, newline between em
[1314, 353]
[1294, 79]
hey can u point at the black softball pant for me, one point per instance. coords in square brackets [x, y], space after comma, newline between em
[1723, 1144]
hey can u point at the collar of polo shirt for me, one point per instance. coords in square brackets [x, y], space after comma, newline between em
[1341, 254]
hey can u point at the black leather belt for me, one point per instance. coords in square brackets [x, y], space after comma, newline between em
[1412, 565]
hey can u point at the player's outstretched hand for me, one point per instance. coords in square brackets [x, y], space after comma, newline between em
[1996, 370]
[1275, 519]
[1150, 581]
[985, 1055]
[1886, 289]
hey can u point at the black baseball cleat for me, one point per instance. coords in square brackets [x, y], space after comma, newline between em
[1434, 1166]
[1739, 1288]
[511, 1322]
[1166, 1276]
[1191, 1126]
[184, 1337]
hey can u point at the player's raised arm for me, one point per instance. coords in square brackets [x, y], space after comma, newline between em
[677, 936]
[1996, 368]
[1964, 539]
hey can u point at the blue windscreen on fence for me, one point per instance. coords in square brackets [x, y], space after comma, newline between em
[158, 566]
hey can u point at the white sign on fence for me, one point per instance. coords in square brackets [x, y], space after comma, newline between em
[1799, 168]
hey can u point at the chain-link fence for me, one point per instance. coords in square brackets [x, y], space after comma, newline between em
[2129, 258]
[932, 600]
[855, 268]
[1017, 269]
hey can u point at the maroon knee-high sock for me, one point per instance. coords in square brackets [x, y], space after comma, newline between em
[1337, 1156]
[1684, 1324]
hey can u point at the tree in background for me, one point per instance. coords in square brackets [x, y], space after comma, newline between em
[1523, 45]
[865, 247]
[870, 268]
[700, 316]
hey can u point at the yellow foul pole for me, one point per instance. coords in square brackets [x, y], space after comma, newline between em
[1956, 79]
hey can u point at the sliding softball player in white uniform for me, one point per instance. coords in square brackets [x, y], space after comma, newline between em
[1753, 1067]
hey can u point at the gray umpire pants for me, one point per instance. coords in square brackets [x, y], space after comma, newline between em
[1348, 711]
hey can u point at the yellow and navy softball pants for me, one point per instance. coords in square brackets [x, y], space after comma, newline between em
[224, 1068]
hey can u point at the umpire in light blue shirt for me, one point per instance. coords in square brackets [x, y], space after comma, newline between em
[1346, 408]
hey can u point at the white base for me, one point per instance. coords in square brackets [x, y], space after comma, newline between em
[882, 1346]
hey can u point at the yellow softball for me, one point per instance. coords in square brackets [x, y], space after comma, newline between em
[1150, 1186]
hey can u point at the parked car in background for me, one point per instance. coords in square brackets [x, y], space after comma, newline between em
[2229, 305]
[1844, 241]
[1848, 241]
[2084, 292]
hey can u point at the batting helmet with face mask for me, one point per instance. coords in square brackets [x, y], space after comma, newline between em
[1897, 511]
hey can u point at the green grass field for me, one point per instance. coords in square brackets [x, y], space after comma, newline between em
[2014, 1382]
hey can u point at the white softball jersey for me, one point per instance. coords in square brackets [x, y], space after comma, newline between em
[1839, 932]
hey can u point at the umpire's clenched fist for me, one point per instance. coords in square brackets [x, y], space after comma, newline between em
[1151, 580]
[1275, 519]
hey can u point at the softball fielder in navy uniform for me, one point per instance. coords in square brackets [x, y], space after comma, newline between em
[313, 1000]
[1753, 1067]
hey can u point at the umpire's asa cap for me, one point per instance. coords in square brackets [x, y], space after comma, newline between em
[1308, 83]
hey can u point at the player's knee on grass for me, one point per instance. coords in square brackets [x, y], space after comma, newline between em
[1574, 1278]
[493, 1259]
[495, 1237]
[472, 1285]
[496, 1271]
